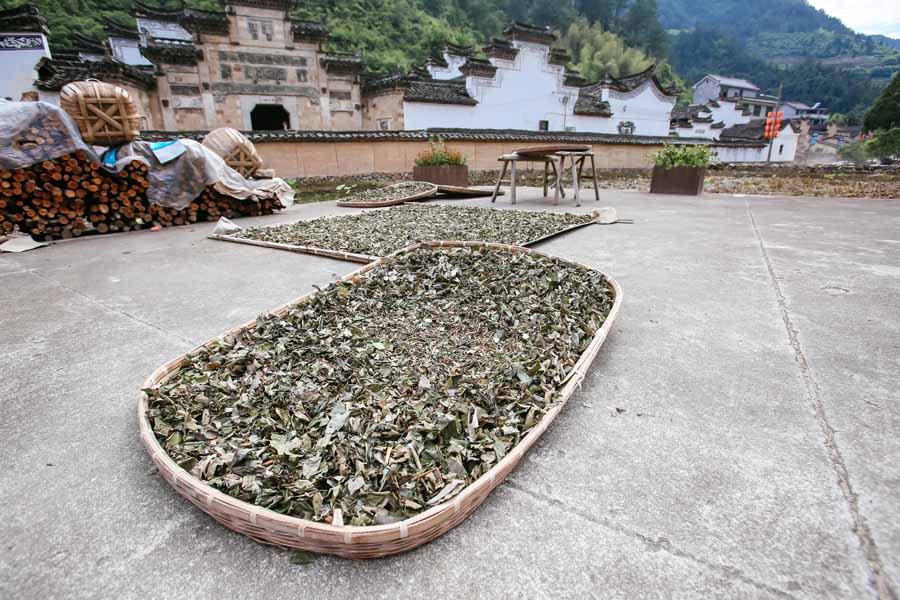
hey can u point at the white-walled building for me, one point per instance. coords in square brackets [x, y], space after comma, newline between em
[522, 83]
[23, 42]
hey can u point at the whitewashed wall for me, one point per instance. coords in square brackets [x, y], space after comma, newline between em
[787, 141]
[705, 90]
[785, 147]
[20, 53]
[731, 154]
[728, 114]
[529, 90]
[454, 62]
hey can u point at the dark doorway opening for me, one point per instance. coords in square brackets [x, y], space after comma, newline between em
[269, 117]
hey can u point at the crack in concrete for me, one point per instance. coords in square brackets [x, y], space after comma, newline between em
[878, 579]
[654, 544]
[114, 309]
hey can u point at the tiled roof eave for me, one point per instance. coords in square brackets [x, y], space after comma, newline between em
[459, 135]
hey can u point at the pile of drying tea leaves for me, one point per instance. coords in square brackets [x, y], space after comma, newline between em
[389, 194]
[371, 402]
[380, 232]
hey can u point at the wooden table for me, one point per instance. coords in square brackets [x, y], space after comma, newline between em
[554, 157]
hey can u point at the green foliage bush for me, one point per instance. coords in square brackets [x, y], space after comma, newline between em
[885, 146]
[885, 112]
[672, 156]
[854, 152]
[438, 155]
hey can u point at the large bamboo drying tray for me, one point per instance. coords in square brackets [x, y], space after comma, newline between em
[269, 527]
[384, 203]
[366, 258]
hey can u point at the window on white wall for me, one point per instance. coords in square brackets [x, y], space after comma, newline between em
[780, 149]
[543, 125]
[384, 124]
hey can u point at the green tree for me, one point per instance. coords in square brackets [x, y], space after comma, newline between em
[885, 113]
[640, 28]
[885, 146]
[597, 52]
[854, 152]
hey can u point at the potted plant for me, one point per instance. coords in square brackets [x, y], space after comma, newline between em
[679, 169]
[441, 166]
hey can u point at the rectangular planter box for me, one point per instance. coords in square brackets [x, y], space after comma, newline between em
[678, 180]
[456, 175]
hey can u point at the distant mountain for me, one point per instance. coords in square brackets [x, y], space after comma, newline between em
[887, 41]
[786, 32]
[745, 19]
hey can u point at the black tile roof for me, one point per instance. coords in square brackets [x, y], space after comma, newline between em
[438, 92]
[501, 48]
[309, 30]
[530, 33]
[341, 62]
[25, 18]
[171, 52]
[591, 105]
[447, 134]
[192, 19]
[753, 130]
[53, 74]
[478, 67]
[457, 50]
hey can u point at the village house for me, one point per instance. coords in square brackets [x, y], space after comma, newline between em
[520, 83]
[815, 114]
[745, 95]
[23, 42]
[250, 67]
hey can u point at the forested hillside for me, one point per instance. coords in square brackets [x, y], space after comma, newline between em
[768, 41]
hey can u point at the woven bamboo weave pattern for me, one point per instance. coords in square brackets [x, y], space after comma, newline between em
[106, 114]
[236, 150]
[274, 528]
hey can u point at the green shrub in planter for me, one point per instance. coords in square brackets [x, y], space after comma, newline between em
[681, 156]
[441, 166]
[679, 169]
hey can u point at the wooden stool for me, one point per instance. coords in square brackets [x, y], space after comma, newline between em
[577, 160]
[509, 161]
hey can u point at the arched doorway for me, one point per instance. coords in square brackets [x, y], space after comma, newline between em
[269, 117]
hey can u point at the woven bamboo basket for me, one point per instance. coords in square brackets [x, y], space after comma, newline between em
[105, 113]
[383, 203]
[269, 527]
[236, 150]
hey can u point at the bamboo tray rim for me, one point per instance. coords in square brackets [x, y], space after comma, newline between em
[383, 203]
[367, 258]
[339, 539]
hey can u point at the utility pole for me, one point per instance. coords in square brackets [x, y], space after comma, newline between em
[775, 119]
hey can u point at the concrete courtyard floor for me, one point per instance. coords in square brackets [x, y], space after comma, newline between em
[737, 436]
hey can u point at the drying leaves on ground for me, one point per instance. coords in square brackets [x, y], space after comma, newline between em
[391, 193]
[380, 232]
[373, 401]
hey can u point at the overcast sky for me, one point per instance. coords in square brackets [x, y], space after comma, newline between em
[865, 16]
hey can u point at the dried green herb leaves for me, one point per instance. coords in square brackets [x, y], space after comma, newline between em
[373, 401]
[396, 192]
[380, 232]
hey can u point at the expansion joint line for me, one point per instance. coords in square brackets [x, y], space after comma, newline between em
[663, 544]
[123, 313]
[878, 579]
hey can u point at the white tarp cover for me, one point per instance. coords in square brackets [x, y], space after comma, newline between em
[174, 184]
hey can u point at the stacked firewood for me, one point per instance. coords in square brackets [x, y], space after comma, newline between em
[73, 195]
